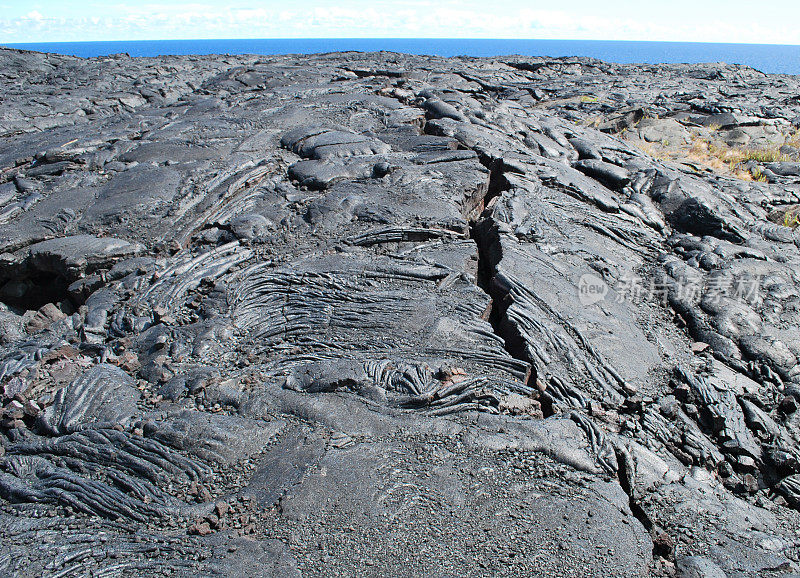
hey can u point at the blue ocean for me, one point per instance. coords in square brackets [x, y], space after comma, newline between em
[775, 58]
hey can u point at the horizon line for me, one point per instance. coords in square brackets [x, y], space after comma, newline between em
[139, 40]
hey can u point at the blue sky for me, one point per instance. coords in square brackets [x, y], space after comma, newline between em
[773, 22]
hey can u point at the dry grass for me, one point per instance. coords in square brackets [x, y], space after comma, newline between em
[757, 175]
[765, 155]
[718, 157]
[725, 159]
[706, 151]
[787, 215]
[593, 121]
[656, 151]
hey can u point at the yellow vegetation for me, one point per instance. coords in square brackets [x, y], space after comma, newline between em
[786, 215]
[725, 159]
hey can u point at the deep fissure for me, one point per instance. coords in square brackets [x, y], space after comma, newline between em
[484, 233]
[625, 474]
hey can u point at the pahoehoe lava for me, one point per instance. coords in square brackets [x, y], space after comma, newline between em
[392, 315]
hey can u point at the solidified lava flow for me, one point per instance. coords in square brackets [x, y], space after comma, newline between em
[379, 314]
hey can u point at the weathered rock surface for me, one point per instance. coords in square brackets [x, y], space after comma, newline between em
[375, 314]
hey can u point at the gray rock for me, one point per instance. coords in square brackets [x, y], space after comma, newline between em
[104, 396]
[698, 567]
[370, 300]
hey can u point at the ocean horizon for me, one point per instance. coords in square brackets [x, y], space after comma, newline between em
[771, 58]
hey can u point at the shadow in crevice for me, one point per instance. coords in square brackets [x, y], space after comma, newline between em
[31, 290]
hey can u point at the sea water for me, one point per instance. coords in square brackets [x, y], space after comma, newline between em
[772, 58]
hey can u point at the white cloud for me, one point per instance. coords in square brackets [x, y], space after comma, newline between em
[382, 18]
